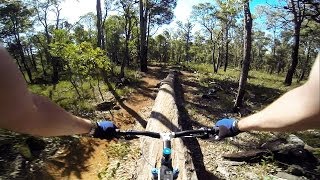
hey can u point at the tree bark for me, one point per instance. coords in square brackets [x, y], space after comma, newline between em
[42, 65]
[99, 25]
[127, 38]
[23, 58]
[246, 55]
[165, 118]
[298, 12]
[213, 59]
[32, 59]
[304, 68]
[227, 50]
[294, 55]
[143, 34]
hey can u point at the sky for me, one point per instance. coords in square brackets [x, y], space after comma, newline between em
[73, 9]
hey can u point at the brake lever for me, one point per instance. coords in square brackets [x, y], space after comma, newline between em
[208, 134]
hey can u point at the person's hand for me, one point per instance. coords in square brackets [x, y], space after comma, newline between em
[105, 130]
[227, 128]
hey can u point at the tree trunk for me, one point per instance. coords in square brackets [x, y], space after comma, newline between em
[20, 68]
[32, 59]
[227, 50]
[127, 55]
[213, 59]
[304, 68]
[99, 25]
[216, 68]
[23, 60]
[99, 89]
[143, 33]
[294, 54]
[165, 118]
[55, 75]
[42, 65]
[246, 55]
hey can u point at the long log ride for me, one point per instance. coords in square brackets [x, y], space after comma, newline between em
[164, 118]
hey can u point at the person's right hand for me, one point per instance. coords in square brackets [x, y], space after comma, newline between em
[105, 130]
[227, 128]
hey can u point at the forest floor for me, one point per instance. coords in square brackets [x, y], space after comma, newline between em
[87, 158]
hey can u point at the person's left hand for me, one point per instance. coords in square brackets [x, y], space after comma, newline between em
[227, 128]
[105, 130]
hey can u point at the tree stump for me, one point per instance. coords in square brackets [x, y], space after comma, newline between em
[164, 118]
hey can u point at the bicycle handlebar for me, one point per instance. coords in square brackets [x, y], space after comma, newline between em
[137, 133]
[202, 132]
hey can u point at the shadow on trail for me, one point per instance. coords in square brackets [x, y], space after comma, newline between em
[72, 161]
[192, 144]
[133, 113]
[69, 162]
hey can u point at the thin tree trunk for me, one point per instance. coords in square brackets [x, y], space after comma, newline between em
[143, 33]
[99, 24]
[304, 68]
[42, 65]
[246, 55]
[213, 59]
[32, 59]
[99, 89]
[294, 55]
[227, 50]
[74, 85]
[127, 56]
[23, 60]
[20, 68]
[92, 89]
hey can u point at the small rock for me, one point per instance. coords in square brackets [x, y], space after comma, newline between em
[293, 139]
[288, 176]
[223, 170]
[233, 163]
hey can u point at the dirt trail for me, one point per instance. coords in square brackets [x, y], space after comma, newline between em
[88, 157]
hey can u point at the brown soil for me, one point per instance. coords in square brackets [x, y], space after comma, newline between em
[86, 158]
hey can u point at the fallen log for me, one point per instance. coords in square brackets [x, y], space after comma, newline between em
[164, 118]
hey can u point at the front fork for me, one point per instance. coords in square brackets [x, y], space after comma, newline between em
[155, 173]
[166, 171]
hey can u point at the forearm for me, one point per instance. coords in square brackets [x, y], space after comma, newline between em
[295, 110]
[48, 119]
[24, 112]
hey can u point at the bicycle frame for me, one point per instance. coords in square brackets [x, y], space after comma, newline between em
[166, 171]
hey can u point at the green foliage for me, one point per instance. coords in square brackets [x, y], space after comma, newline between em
[64, 95]
[14, 18]
[81, 58]
[120, 149]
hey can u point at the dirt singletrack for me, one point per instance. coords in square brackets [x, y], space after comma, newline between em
[88, 158]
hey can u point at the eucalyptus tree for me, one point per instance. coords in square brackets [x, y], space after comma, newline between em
[43, 9]
[246, 54]
[114, 31]
[14, 22]
[227, 13]
[298, 9]
[152, 12]
[128, 13]
[205, 15]
[185, 31]
[310, 40]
